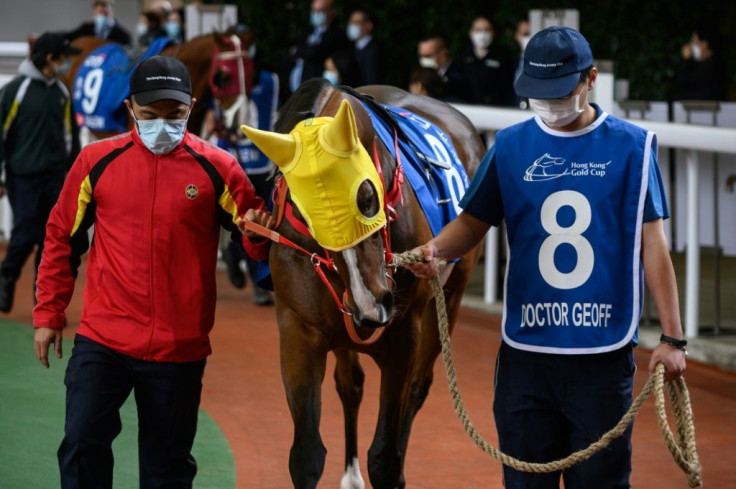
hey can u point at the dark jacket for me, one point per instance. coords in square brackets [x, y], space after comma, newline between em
[117, 33]
[491, 77]
[701, 80]
[150, 282]
[456, 88]
[39, 133]
[314, 54]
[370, 63]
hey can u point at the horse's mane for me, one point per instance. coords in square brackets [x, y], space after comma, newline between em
[300, 105]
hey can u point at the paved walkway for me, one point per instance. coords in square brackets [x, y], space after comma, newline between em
[244, 395]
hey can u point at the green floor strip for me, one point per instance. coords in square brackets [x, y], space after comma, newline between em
[32, 424]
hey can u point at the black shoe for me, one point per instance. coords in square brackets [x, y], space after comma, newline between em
[7, 292]
[234, 273]
[262, 297]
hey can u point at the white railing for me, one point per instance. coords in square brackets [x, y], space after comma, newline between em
[691, 138]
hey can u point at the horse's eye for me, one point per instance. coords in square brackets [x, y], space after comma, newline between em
[367, 199]
[221, 78]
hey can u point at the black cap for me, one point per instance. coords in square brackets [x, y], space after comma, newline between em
[161, 78]
[54, 43]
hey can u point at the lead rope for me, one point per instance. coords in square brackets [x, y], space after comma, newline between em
[683, 450]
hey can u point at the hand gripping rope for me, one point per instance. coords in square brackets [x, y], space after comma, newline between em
[683, 449]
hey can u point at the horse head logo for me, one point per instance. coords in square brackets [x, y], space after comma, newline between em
[333, 180]
[546, 167]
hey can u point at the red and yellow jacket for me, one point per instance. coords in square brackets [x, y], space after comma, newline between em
[150, 283]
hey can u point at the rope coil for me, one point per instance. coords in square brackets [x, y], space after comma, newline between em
[683, 450]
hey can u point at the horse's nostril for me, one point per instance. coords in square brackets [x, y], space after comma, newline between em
[387, 301]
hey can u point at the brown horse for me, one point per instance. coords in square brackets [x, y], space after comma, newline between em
[200, 55]
[310, 323]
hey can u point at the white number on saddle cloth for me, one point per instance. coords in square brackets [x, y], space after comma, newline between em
[572, 235]
[452, 176]
[91, 90]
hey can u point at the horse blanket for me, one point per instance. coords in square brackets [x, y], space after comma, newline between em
[101, 85]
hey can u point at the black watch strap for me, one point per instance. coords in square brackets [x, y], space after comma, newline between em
[681, 344]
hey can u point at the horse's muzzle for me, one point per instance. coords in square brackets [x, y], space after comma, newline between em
[384, 312]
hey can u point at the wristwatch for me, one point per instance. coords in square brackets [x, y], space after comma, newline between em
[674, 342]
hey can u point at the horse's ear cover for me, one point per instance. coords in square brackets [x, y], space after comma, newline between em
[342, 134]
[325, 165]
[280, 148]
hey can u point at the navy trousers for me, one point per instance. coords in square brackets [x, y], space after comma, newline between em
[98, 381]
[547, 406]
[31, 198]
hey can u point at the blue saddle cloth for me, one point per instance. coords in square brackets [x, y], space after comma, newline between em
[430, 163]
[102, 84]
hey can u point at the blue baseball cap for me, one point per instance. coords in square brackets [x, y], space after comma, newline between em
[553, 60]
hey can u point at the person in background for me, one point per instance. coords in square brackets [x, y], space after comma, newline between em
[426, 81]
[149, 28]
[701, 72]
[38, 144]
[583, 202]
[262, 105]
[306, 59]
[174, 27]
[162, 8]
[341, 69]
[433, 53]
[104, 25]
[368, 54]
[488, 66]
[157, 197]
[521, 36]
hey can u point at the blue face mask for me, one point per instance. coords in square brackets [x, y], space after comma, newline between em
[353, 32]
[161, 135]
[63, 68]
[172, 29]
[318, 19]
[100, 21]
[330, 76]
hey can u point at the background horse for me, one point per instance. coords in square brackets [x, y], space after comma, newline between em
[311, 325]
[200, 55]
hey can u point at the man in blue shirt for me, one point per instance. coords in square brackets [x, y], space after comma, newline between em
[583, 202]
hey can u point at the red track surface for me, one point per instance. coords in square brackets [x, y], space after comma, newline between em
[244, 394]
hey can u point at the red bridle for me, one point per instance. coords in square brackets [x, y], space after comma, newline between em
[391, 200]
[238, 63]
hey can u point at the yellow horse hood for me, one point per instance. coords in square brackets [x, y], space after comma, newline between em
[325, 164]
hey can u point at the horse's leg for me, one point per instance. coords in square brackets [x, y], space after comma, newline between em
[385, 457]
[349, 379]
[303, 370]
[422, 374]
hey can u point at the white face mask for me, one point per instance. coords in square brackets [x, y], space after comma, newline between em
[331, 76]
[353, 32]
[481, 39]
[560, 113]
[161, 135]
[428, 62]
[695, 50]
[318, 19]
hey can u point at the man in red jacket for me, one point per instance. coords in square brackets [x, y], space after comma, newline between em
[157, 197]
